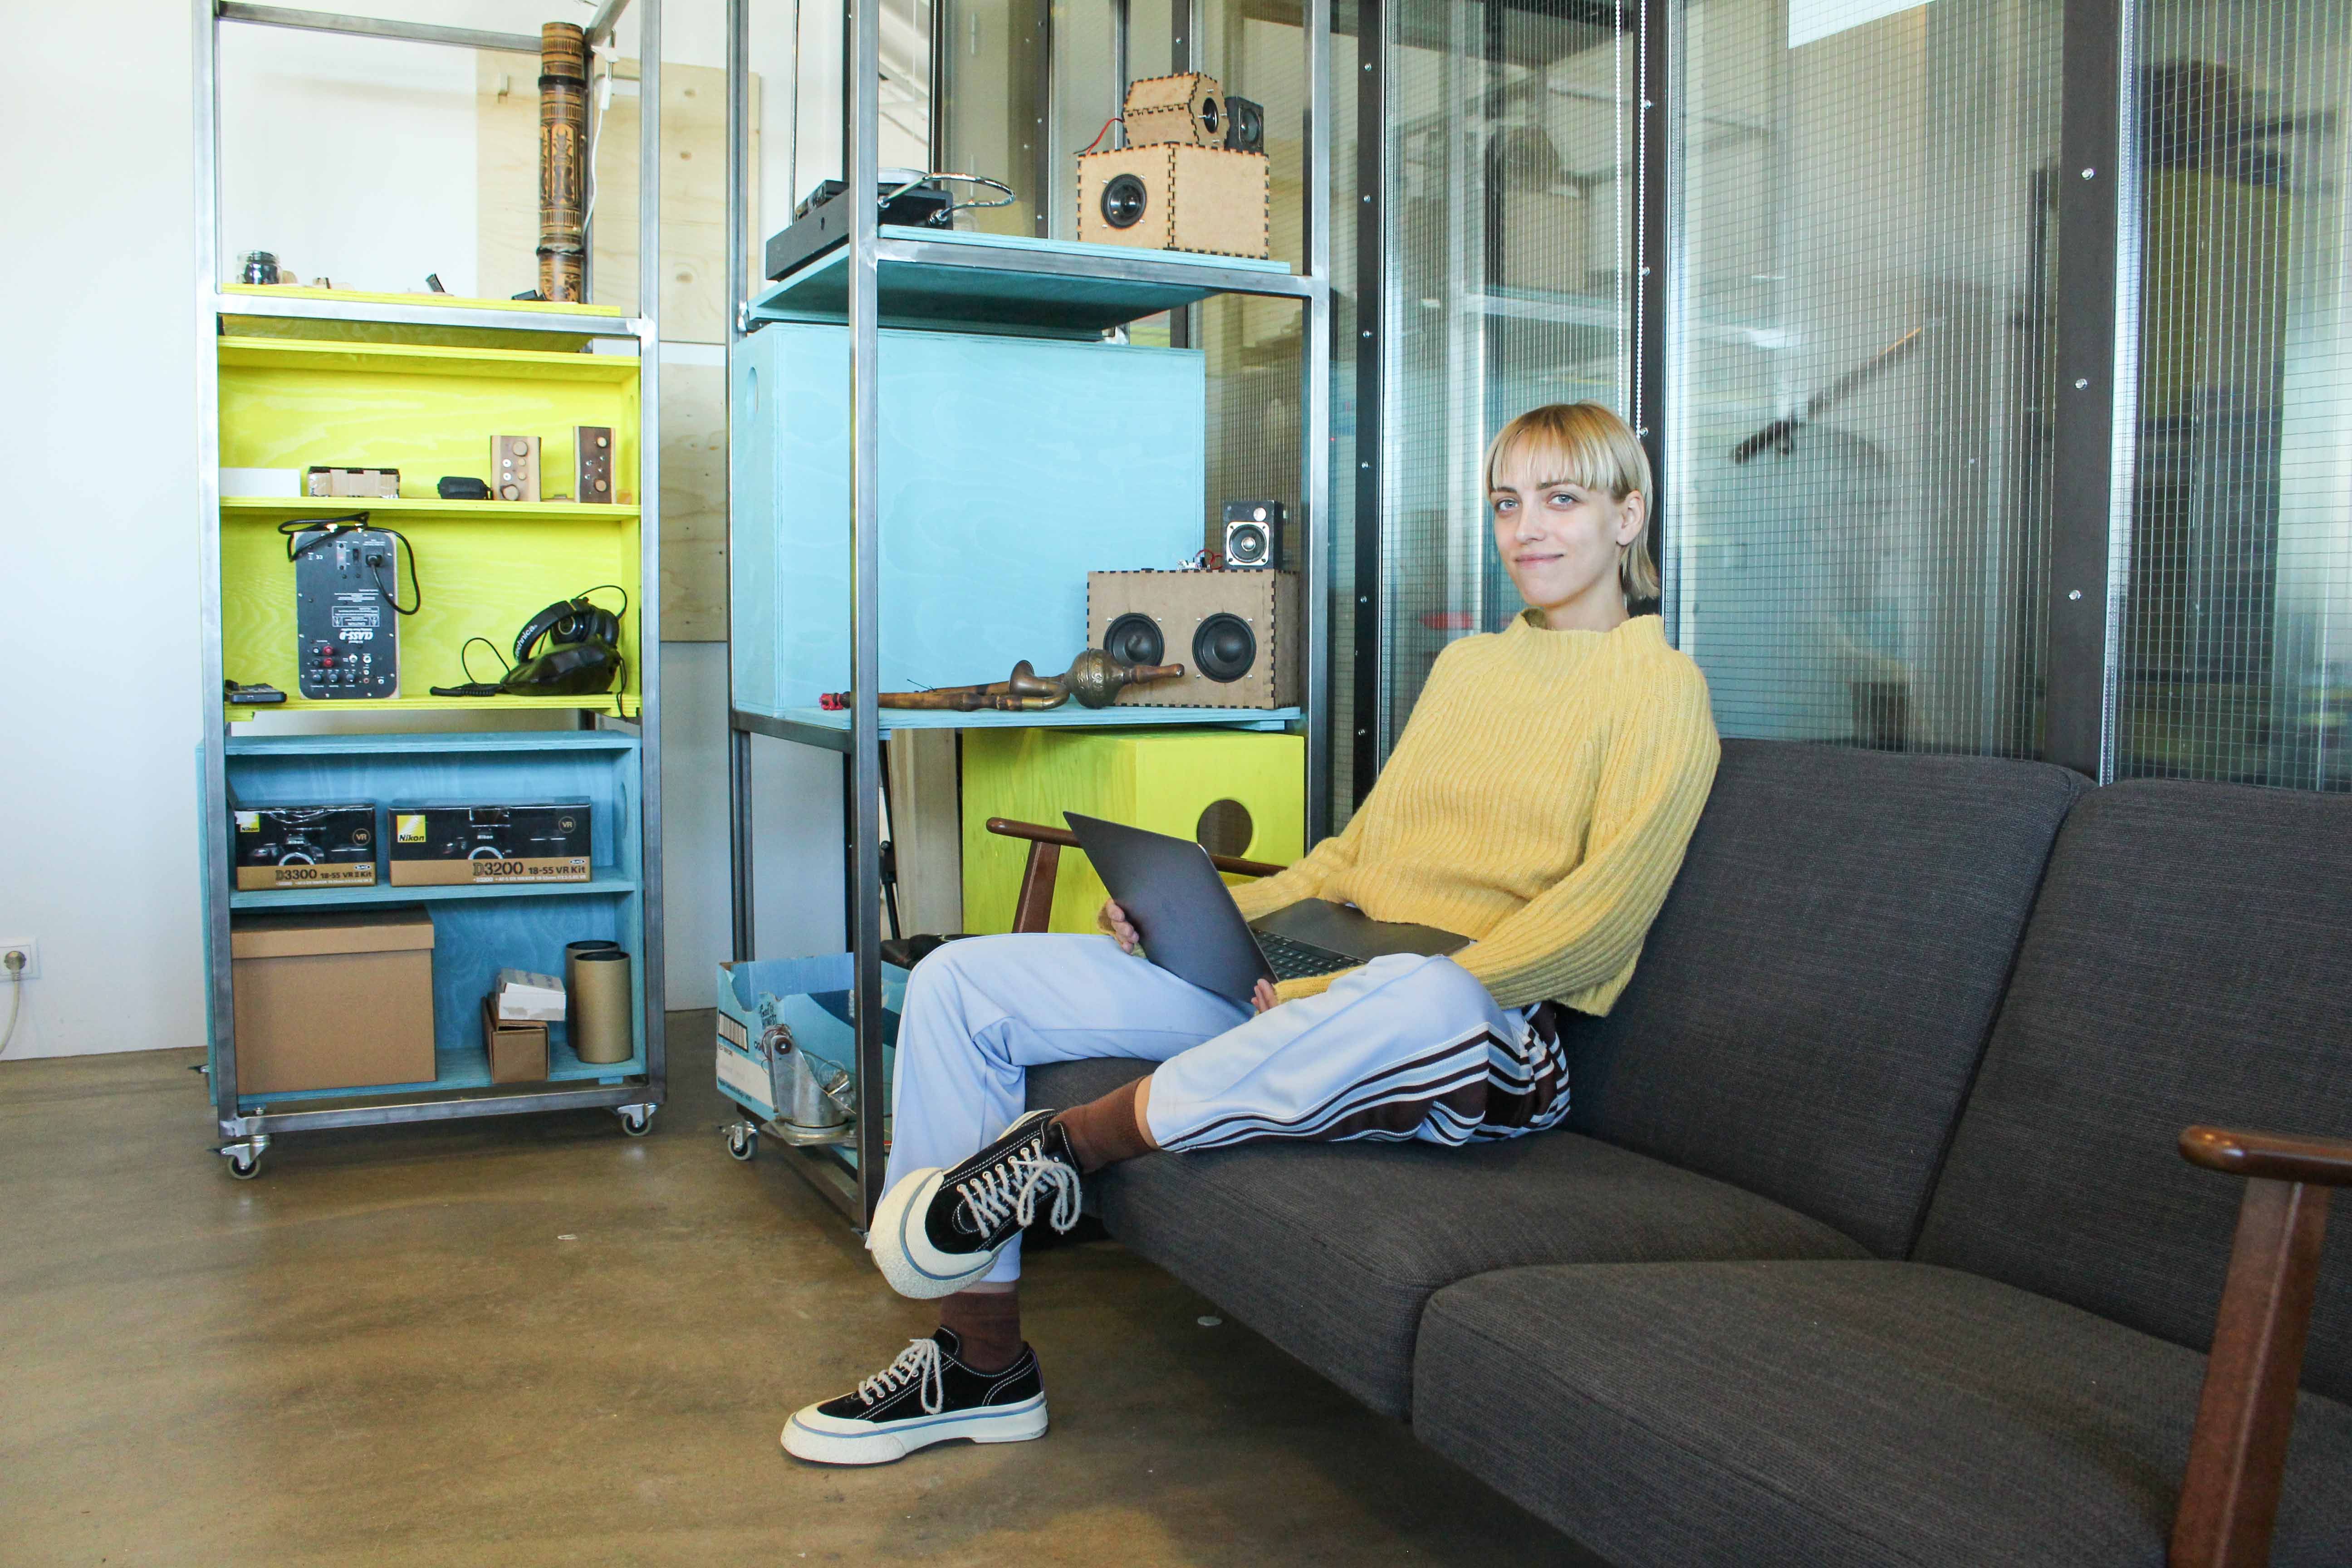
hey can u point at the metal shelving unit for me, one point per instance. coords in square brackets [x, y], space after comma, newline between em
[621, 761]
[994, 284]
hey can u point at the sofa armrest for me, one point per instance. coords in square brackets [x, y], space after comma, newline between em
[1034, 909]
[2274, 1156]
[2237, 1454]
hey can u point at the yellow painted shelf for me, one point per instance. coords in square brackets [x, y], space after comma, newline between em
[400, 513]
[357, 298]
[630, 705]
[425, 359]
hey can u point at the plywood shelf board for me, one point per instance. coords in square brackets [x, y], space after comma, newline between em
[405, 511]
[391, 747]
[357, 299]
[461, 1066]
[1071, 717]
[425, 359]
[295, 898]
[1003, 282]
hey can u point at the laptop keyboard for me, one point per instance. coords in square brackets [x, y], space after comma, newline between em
[1294, 960]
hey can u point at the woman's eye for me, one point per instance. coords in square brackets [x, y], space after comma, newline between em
[1561, 499]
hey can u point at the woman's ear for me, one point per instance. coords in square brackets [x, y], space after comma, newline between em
[1633, 516]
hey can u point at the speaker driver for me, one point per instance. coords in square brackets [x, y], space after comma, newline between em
[1224, 647]
[1134, 638]
[1245, 544]
[1123, 201]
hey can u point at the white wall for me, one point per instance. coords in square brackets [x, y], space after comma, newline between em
[98, 557]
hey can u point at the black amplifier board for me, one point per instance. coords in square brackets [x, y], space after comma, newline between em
[347, 638]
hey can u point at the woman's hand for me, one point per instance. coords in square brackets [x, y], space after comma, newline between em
[1263, 999]
[1114, 919]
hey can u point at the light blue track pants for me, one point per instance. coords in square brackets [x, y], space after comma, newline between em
[1405, 1047]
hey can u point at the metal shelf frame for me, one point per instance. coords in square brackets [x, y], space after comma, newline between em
[856, 1186]
[247, 1135]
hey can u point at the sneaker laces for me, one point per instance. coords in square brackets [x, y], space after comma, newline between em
[1010, 1189]
[920, 1359]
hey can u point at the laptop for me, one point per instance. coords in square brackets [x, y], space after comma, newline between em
[1192, 927]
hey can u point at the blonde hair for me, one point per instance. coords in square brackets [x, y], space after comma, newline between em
[1588, 446]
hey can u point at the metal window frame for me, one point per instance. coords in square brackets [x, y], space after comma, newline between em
[211, 304]
[857, 1192]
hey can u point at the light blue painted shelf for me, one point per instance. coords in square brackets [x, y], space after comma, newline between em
[468, 1068]
[988, 282]
[597, 886]
[1067, 717]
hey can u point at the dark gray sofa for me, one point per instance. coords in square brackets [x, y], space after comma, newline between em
[1867, 1241]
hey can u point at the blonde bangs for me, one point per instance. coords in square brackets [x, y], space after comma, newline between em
[1588, 446]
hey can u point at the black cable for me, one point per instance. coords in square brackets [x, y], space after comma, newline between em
[505, 669]
[292, 528]
[616, 588]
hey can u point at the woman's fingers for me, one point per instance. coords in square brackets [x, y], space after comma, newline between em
[1114, 919]
[1263, 998]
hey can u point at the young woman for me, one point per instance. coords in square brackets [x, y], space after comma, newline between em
[1538, 802]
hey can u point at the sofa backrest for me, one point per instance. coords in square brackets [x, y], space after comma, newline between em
[2187, 963]
[1813, 998]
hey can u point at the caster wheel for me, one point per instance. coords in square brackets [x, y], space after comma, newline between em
[636, 1120]
[244, 1167]
[743, 1142]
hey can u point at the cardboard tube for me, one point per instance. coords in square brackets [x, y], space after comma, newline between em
[604, 992]
[572, 951]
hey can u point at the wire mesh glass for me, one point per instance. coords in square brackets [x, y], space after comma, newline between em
[2233, 662]
[1858, 489]
[1510, 226]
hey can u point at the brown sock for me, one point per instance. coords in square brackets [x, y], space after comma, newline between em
[1105, 1131]
[987, 1325]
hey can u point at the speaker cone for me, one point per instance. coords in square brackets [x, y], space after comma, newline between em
[1224, 647]
[1123, 201]
[1209, 118]
[1134, 638]
[1245, 545]
[1245, 126]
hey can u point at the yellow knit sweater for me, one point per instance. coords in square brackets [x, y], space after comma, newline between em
[1538, 801]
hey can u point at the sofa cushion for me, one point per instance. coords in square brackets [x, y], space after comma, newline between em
[2185, 964]
[1810, 1413]
[1331, 1249]
[1817, 989]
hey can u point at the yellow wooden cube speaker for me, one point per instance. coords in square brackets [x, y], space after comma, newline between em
[1239, 793]
[1172, 196]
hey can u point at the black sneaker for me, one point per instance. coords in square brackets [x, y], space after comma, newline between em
[938, 1231]
[925, 1396]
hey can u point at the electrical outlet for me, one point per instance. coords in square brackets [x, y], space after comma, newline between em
[32, 952]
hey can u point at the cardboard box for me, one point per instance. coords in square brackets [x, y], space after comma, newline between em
[1182, 605]
[304, 846]
[445, 845]
[332, 1001]
[1170, 196]
[517, 1051]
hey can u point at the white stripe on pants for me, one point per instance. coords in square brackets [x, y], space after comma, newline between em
[1405, 1047]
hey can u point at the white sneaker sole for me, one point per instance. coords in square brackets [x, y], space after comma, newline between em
[829, 1440]
[903, 1251]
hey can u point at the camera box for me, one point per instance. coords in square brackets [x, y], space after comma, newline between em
[304, 846]
[517, 1050]
[445, 845]
[332, 1001]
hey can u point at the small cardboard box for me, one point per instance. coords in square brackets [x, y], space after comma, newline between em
[332, 1001]
[445, 845]
[1170, 196]
[517, 1051]
[304, 846]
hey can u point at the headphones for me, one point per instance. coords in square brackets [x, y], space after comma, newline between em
[571, 649]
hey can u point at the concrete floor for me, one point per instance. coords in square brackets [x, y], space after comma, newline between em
[534, 1341]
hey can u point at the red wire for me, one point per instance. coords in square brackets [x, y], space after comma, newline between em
[1090, 146]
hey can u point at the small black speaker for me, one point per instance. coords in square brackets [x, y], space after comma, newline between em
[1254, 534]
[1244, 125]
[1223, 647]
[1134, 638]
[1123, 201]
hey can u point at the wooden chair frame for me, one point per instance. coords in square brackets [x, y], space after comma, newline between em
[2237, 1453]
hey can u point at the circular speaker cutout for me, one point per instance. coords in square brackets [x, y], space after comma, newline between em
[1123, 201]
[1224, 647]
[1134, 638]
[1225, 828]
[1245, 545]
[1211, 118]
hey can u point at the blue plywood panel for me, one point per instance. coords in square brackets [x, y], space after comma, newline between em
[477, 931]
[1009, 469]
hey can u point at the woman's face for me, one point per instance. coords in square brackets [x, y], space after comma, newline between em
[1559, 542]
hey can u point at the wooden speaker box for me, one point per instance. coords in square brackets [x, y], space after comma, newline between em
[1235, 633]
[1188, 109]
[1173, 197]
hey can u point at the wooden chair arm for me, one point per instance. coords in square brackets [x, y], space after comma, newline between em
[2237, 1453]
[1034, 909]
[2274, 1156]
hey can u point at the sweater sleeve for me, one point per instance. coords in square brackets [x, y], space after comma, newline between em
[1303, 877]
[1588, 928]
